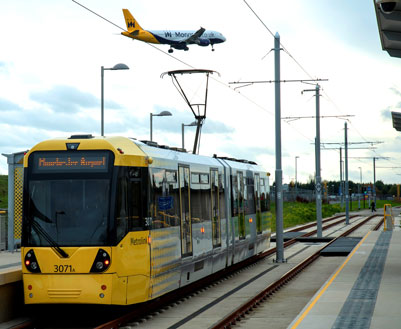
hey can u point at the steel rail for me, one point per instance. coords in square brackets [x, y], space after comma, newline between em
[379, 224]
[245, 308]
[153, 306]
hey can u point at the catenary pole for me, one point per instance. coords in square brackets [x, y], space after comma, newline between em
[374, 180]
[341, 178]
[346, 189]
[318, 184]
[279, 172]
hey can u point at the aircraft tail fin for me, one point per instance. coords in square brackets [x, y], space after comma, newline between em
[132, 23]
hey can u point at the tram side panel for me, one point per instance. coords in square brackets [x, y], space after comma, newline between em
[165, 238]
[251, 223]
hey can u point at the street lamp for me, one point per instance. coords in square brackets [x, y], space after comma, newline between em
[192, 124]
[119, 66]
[161, 114]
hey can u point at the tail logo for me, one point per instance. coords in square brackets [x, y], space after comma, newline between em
[131, 24]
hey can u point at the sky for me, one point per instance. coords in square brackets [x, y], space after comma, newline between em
[52, 53]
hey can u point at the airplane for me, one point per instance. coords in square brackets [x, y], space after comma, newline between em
[177, 39]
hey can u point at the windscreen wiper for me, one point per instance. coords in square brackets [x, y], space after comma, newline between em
[39, 230]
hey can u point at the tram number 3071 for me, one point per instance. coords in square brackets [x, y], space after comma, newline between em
[63, 268]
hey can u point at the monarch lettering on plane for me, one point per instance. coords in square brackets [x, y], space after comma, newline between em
[175, 39]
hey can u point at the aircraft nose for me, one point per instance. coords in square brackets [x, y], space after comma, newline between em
[223, 38]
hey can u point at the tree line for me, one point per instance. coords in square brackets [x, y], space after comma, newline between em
[333, 187]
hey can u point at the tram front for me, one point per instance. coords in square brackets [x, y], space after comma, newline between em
[75, 218]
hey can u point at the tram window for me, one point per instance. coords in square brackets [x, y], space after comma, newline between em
[250, 195]
[171, 176]
[196, 209]
[200, 199]
[222, 199]
[241, 202]
[121, 209]
[245, 195]
[234, 199]
[204, 178]
[195, 178]
[164, 208]
[264, 196]
[257, 192]
[267, 189]
[216, 223]
[134, 206]
[206, 200]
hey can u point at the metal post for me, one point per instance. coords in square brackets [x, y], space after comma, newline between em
[359, 188]
[374, 180]
[182, 134]
[102, 102]
[341, 179]
[346, 176]
[10, 234]
[318, 184]
[279, 172]
[151, 128]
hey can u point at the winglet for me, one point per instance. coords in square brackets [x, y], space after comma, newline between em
[132, 23]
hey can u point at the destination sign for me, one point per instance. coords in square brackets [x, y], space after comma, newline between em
[67, 162]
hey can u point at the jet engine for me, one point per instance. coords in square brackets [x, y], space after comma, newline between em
[203, 42]
[388, 6]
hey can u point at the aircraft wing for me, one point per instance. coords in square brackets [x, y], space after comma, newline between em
[194, 37]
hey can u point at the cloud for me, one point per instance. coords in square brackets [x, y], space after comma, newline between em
[68, 99]
[395, 91]
[210, 126]
[216, 127]
[248, 153]
[6, 105]
[386, 114]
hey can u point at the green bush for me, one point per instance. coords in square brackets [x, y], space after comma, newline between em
[3, 191]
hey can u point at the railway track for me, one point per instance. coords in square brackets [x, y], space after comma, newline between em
[242, 311]
[143, 315]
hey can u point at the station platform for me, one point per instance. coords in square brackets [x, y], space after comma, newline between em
[364, 292]
[11, 296]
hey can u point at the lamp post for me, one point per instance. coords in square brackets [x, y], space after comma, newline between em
[161, 114]
[119, 66]
[192, 124]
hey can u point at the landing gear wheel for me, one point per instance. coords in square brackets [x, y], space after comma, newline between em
[170, 50]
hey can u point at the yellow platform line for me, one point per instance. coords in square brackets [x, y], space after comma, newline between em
[306, 312]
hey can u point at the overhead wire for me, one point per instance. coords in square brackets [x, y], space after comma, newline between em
[310, 76]
[226, 84]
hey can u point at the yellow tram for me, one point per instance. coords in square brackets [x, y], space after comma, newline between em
[114, 220]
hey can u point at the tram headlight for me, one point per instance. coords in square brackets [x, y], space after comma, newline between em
[101, 262]
[31, 263]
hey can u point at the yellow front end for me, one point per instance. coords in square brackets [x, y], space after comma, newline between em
[69, 280]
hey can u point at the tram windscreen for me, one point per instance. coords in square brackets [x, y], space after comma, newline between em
[73, 212]
[67, 206]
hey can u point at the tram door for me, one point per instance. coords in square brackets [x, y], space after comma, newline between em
[241, 205]
[257, 202]
[216, 230]
[186, 227]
